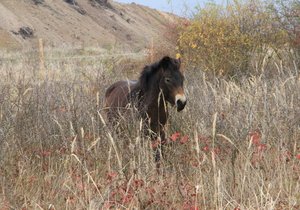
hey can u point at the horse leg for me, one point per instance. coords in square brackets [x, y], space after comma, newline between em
[159, 153]
[114, 117]
[159, 148]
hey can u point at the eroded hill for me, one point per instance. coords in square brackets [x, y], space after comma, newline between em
[100, 23]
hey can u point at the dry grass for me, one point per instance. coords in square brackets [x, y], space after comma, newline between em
[236, 146]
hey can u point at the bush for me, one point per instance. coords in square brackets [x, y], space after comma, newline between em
[222, 40]
[287, 13]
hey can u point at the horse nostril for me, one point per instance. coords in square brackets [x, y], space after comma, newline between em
[180, 105]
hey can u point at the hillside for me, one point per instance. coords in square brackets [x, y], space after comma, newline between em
[85, 22]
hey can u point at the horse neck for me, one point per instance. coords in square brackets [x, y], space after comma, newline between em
[153, 100]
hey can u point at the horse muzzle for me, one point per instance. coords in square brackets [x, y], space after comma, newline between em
[180, 101]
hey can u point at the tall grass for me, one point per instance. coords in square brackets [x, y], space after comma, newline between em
[235, 146]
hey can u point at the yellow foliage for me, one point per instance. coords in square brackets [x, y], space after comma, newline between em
[222, 39]
[178, 55]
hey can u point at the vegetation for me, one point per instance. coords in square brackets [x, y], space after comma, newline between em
[235, 146]
[223, 40]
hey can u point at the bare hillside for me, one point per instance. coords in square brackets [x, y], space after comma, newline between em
[80, 22]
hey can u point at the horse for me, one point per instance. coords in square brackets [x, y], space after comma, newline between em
[158, 83]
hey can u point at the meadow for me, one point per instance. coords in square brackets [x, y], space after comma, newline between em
[235, 146]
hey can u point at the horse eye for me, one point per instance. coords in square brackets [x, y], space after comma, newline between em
[167, 80]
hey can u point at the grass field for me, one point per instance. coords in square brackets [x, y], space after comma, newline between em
[235, 146]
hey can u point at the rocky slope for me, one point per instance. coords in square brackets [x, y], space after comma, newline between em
[100, 23]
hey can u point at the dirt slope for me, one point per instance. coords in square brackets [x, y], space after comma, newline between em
[87, 22]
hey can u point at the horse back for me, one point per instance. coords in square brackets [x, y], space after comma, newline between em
[117, 94]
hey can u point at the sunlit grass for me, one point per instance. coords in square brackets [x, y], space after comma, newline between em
[235, 146]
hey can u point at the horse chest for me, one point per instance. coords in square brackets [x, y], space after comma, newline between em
[158, 114]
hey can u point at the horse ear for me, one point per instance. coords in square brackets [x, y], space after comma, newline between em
[164, 62]
[179, 61]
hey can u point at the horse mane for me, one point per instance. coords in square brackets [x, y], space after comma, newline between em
[150, 70]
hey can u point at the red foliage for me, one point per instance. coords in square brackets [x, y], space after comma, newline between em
[45, 153]
[188, 206]
[155, 143]
[205, 148]
[175, 136]
[255, 137]
[127, 198]
[138, 183]
[261, 147]
[111, 175]
[184, 139]
[203, 139]
[217, 151]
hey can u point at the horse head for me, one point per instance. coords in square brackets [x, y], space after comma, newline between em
[171, 82]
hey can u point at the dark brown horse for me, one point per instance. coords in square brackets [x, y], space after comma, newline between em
[159, 83]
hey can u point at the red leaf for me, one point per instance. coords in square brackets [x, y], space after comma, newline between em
[206, 148]
[127, 199]
[217, 151]
[138, 183]
[184, 139]
[262, 147]
[255, 137]
[175, 136]
[298, 156]
[151, 191]
[111, 175]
